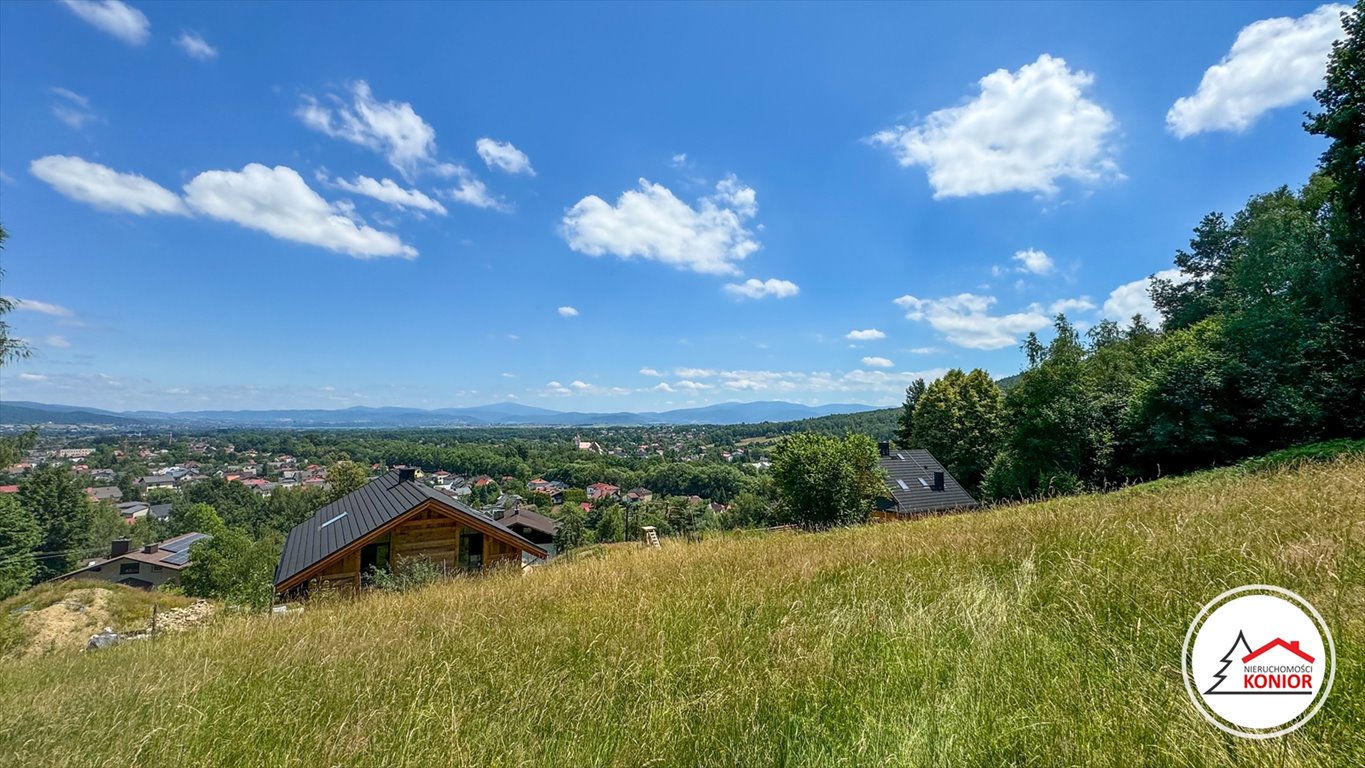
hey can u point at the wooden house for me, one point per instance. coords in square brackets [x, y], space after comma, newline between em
[392, 518]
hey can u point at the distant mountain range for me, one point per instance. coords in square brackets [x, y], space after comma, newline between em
[497, 414]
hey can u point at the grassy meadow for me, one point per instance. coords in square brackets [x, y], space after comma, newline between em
[1041, 634]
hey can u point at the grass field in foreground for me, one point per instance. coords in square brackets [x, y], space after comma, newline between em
[1045, 634]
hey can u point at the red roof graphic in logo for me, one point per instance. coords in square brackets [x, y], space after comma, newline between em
[1277, 642]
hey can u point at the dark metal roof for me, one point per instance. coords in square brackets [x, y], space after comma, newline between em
[355, 515]
[531, 519]
[910, 466]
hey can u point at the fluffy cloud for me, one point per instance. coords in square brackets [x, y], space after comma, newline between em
[60, 342]
[647, 371]
[1135, 298]
[276, 201]
[878, 362]
[568, 312]
[388, 191]
[195, 46]
[871, 334]
[42, 307]
[470, 190]
[652, 223]
[1023, 132]
[72, 108]
[391, 128]
[503, 156]
[1033, 261]
[105, 188]
[1062, 306]
[754, 288]
[1273, 63]
[965, 320]
[118, 19]
[279, 202]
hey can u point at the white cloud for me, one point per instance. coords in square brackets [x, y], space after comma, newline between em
[42, 307]
[878, 362]
[693, 386]
[754, 288]
[965, 320]
[649, 372]
[871, 334]
[279, 202]
[471, 191]
[276, 201]
[1033, 261]
[32, 377]
[922, 350]
[388, 191]
[651, 223]
[1135, 298]
[568, 312]
[503, 156]
[1062, 306]
[72, 108]
[1024, 131]
[390, 127]
[105, 188]
[579, 385]
[59, 342]
[663, 387]
[555, 388]
[195, 46]
[679, 160]
[118, 19]
[1273, 63]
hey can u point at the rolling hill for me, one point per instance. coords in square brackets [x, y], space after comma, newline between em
[1040, 634]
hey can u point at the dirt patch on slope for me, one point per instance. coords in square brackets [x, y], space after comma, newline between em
[67, 624]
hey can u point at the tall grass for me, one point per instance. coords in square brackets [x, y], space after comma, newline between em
[1044, 634]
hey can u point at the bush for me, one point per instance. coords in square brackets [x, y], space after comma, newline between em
[407, 573]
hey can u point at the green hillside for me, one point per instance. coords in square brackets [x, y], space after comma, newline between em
[1045, 634]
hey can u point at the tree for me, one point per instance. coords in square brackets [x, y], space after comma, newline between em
[612, 526]
[64, 514]
[1342, 120]
[234, 568]
[19, 535]
[1048, 445]
[571, 533]
[905, 432]
[957, 419]
[11, 349]
[344, 477]
[196, 518]
[823, 480]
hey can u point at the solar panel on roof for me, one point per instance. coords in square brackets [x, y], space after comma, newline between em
[183, 545]
[179, 558]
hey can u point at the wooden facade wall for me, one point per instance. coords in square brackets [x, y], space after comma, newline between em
[429, 535]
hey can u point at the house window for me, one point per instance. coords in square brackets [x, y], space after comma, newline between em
[127, 568]
[156, 568]
[471, 551]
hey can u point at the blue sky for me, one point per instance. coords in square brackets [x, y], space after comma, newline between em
[609, 207]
